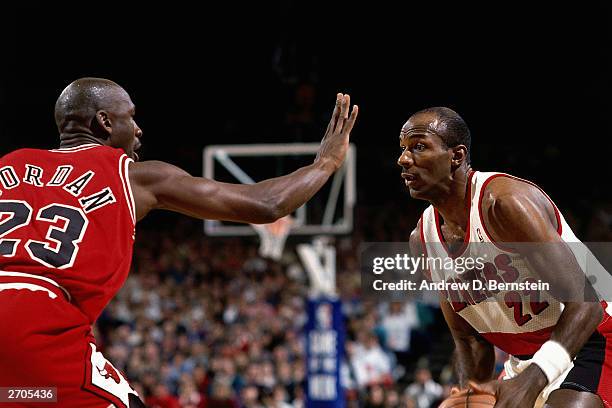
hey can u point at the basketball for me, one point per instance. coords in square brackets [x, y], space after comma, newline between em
[468, 399]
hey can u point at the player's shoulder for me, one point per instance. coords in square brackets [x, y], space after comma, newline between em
[21, 153]
[152, 167]
[509, 203]
[416, 236]
[416, 232]
[28, 152]
[507, 192]
[153, 171]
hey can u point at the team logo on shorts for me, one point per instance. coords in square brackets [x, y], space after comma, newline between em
[109, 372]
[103, 379]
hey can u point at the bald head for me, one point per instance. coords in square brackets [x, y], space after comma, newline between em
[444, 122]
[78, 103]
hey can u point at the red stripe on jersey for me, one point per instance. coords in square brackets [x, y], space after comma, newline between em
[75, 148]
[519, 344]
[426, 270]
[124, 163]
[604, 390]
[37, 281]
[466, 238]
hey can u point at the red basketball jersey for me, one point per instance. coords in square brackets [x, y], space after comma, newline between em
[68, 215]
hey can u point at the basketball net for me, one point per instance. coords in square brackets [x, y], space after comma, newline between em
[273, 237]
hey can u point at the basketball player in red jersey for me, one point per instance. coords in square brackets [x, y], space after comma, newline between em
[561, 353]
[67, 220]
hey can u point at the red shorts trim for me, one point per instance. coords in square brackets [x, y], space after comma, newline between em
[592, 370]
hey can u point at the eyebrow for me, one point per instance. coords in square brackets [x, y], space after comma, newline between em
[415, 133]
[418, 132]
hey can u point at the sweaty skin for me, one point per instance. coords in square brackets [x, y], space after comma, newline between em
[514, 211]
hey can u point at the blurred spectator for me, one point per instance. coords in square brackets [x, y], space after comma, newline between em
[162, 398]
[249, 397]
[375, 397]
[392, 398]
[408, 402]
[370, 363]
[398, 321]
[280, 398]
[221, 396]
[188, 394]
[424, 390]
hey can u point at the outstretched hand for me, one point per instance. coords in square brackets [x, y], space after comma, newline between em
[336, 140]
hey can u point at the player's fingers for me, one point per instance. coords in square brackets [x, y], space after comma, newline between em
[455, 390]
[487, 388]
[346, 99]
[348, 126]
[346, 106]
[337, 108]
[332, 122]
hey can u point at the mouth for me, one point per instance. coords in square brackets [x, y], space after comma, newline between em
[409, 178]
[137, 147]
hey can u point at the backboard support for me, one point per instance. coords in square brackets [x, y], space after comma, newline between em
[337, 198]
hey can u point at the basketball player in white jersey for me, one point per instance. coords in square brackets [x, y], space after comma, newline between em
[561, 353]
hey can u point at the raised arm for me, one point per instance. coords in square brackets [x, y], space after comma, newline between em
[159, 185]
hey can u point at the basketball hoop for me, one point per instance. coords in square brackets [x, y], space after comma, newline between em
[273, 237]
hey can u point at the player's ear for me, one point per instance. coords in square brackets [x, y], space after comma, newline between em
[103, 123]
[459, 156]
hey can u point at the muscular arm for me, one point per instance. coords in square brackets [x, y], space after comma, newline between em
[517, 212]
[159, 185]
[474, 356]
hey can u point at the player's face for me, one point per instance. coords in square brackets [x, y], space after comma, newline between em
[425, 160]
[125, 132]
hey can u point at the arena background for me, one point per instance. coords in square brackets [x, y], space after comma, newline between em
[532, 82]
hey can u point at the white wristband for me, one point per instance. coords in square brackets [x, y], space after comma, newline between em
[553, 359]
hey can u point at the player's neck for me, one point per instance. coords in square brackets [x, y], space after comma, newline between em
[77, 139]
[454, 206]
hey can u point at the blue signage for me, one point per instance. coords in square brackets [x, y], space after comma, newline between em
[324, 353]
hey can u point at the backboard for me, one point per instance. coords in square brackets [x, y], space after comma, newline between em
[330, 211]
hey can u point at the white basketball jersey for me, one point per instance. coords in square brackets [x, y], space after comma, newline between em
[518, 322]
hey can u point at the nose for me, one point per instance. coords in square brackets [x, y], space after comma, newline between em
[138, 132]
[405, 159]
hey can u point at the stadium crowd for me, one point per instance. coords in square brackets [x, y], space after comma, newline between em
[207, 322]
